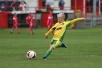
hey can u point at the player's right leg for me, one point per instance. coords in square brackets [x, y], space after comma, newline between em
[48, 52]
[17, 29]
[54, 44]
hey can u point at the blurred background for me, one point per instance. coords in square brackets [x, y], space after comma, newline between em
[90, 9]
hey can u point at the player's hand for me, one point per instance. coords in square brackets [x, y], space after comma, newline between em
[46, 37]
[83, 18]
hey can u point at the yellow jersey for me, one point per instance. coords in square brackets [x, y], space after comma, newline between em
[60, 29]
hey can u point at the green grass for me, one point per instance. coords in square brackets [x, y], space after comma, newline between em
[84, 49]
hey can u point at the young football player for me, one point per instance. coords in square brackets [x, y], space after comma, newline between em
[15, 24]
[30, 20]
[50, 21]
[59, 32]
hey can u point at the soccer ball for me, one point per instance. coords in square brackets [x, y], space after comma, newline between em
[31, 54]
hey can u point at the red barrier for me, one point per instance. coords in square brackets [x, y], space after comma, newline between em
[44, 19]
[4, 15]
[3, 20]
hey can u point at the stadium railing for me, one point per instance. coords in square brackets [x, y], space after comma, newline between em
[72, 13]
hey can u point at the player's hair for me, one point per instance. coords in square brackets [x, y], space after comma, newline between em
[61, 15]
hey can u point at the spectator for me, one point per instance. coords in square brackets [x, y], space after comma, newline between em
[101, 6]
[89, 6]
[3, 7]
[44, 3]
[30, 20]
[15, 24]
[61, 4]
[49, 5]
[15, 4]
[23, 6]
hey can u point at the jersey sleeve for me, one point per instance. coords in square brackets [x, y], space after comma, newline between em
[52, 29]
[27, 19]
[75, 20]
[14, 18]
[33, 18]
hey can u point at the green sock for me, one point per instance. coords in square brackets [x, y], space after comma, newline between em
[48, 53]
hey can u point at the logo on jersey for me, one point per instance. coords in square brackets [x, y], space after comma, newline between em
[59, 28]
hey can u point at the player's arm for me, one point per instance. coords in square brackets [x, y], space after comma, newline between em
[34, 20]
[27, 20]
[75, 20]
[14, 20]
[49, 31]
[46, 34]
[52, 29]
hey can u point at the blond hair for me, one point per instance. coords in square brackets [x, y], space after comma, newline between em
[61, 15]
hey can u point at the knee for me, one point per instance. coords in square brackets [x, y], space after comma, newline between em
[52, 48]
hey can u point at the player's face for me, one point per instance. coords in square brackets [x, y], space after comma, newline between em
[60, 19]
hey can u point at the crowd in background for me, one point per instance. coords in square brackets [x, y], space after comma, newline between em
[50, 4]
[16, 5]
[13, 5]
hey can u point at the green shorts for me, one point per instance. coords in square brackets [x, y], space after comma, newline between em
[55, 43]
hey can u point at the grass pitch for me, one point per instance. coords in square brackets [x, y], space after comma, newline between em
[84, 49]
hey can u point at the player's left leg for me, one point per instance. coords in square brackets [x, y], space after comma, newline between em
[12, 29]
[62, 45]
